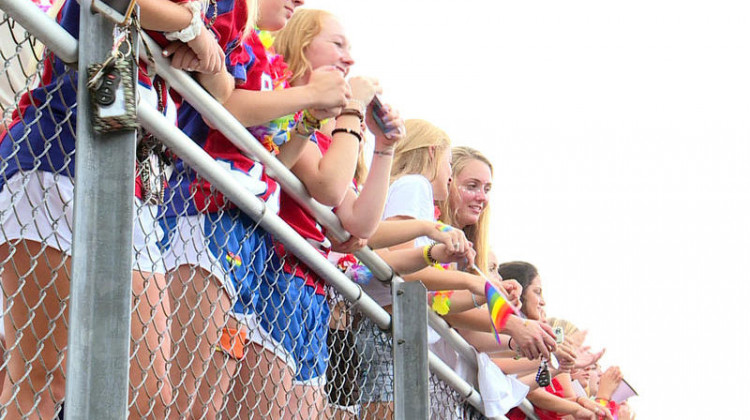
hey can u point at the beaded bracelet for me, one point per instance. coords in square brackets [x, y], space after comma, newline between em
[354, 133]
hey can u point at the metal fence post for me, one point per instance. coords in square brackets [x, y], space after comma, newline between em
[410, 366]
[99, 336]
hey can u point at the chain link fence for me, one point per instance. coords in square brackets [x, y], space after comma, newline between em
[225, 322]
[36, 215]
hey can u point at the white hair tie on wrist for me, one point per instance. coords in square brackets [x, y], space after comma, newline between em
[193, 29]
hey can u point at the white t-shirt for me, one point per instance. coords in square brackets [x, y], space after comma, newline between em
[410, 196]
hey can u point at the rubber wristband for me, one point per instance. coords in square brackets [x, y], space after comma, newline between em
[427, 254]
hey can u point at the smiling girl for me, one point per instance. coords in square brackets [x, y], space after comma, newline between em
[314, 40]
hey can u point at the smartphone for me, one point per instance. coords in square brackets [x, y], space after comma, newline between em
[118, 11]
[559, 335]
[378, 114]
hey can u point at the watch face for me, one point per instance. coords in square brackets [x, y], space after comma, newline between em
[553, 362]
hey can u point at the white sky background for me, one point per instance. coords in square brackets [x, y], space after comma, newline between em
[619, 133]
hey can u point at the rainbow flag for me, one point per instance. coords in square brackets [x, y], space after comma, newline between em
[234, 260]
[500, 309]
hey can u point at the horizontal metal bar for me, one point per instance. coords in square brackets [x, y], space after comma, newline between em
[43, 27]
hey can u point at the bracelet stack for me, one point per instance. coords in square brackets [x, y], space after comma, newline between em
[308, 124]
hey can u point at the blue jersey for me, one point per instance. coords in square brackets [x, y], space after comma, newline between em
[42, 133]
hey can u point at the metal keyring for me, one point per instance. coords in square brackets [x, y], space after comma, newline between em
[553, 361]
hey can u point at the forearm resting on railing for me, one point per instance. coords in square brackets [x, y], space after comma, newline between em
[393, 232]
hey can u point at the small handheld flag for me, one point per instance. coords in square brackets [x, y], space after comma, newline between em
[499, 308]
[498, 305]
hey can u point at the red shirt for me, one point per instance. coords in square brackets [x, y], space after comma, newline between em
[555, 389]
[304, 223]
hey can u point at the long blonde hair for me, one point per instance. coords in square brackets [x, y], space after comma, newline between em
[479, 232]
[253, 10]
[411, 155]
[293, 40]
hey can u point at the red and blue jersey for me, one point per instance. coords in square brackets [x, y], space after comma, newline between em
[42, 134]
[265, 71]
[304, 223]
[229, 19]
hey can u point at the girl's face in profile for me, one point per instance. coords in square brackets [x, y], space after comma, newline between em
[533, 301]
[273, 15]
[443, 179]
[471, 195]
[330, 47]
